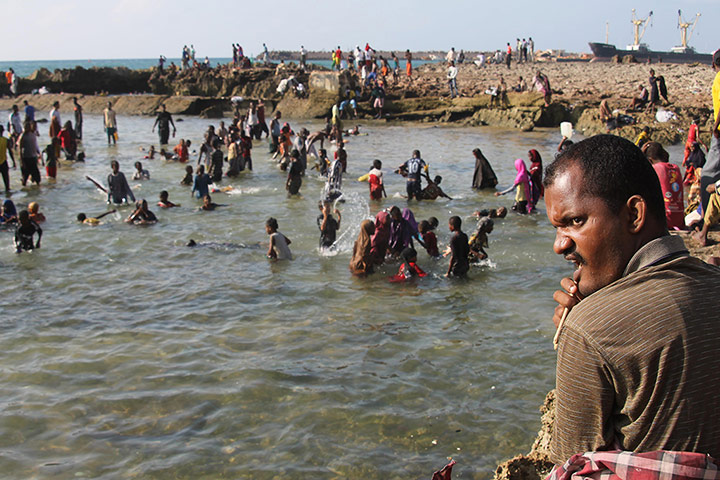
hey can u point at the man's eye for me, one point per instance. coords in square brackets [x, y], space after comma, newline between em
[577, 221]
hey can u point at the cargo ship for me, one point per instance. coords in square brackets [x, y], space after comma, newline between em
[680, 54]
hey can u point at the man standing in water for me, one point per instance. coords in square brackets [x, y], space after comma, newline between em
[638, 360]
[77, 110]
[163, 122]
[110, 123]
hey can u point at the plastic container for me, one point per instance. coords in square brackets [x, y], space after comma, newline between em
[566, 130]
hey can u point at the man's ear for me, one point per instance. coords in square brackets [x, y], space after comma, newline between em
[637, 213]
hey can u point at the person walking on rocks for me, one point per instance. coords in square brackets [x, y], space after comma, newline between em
[452, 79]
[110, 123]
[508, 56]
[541, 83]
[163, 122]
[408, 64]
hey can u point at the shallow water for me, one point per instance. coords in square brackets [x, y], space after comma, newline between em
[127, 354]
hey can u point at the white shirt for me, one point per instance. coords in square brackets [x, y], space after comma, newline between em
[55, 114]
[281, 247]
[452, 72]
[15, 122]
[450, 57]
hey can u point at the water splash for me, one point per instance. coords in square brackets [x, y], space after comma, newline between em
[354, 210]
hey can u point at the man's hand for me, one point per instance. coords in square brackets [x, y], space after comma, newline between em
[710, 188]
[567, 297]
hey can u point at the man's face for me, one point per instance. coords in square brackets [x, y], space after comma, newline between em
[588, 233]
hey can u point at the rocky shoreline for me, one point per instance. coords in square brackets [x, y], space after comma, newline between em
[578, 89]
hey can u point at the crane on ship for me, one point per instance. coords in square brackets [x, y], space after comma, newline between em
[684, 35]
[637, 23]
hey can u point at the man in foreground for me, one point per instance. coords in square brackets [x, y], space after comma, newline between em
[639, 352]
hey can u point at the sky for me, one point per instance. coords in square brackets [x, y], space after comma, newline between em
[99, 29]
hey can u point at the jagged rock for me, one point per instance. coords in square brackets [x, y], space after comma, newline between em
[629, 59]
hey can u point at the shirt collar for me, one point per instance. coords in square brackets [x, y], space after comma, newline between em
[656, 251]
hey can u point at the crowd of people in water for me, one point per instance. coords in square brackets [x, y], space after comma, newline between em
[226, 151]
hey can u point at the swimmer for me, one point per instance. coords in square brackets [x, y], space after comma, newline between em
[428, 240]
[479, 241]
[188, 178]
[8, 212]
[353, 131]
[151, 153]
[35, 215]
[164, 202]
[25, 231]
[278, 249]
[409, 268]
[141, 215]
[140, 173]
[433, 190]
[84, 219]
[500, 212]
[208, 205]
[216, 245]
[328, 225]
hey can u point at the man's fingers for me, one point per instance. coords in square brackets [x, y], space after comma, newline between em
[564, 300]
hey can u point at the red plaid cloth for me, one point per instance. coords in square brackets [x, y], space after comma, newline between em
[620, 465]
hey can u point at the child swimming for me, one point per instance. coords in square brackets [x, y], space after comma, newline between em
[479, 241]
[409, 267]
[81, 217]
[164, 201]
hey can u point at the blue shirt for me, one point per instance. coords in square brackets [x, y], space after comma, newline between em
[30, 112]
[201, 185]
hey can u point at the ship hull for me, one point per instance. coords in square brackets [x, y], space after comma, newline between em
[605, 51]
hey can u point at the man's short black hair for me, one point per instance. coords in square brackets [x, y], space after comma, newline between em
[456, 222]
[614, 169]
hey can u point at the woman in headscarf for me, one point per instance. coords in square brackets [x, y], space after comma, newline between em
[484, 176]
[9, 212]
[362, 259]
[401, 231]
[381, 237]
[536, 172]
[522, 187]
[693, 164]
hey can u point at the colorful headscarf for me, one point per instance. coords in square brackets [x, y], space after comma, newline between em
[522, 179]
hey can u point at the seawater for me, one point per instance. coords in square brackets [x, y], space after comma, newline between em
[127, 354]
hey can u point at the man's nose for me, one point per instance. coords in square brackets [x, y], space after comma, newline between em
[562, 243]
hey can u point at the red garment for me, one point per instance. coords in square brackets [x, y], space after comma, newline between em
[245, 146]
[430, 241]
[693, 133]
[51, 171]
[444, 473]
[671, 183]
[68, 140]
[408, 270]
[375, 187]
[182, 152]
[619, 465]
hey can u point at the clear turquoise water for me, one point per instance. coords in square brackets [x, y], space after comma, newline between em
[126, 354]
